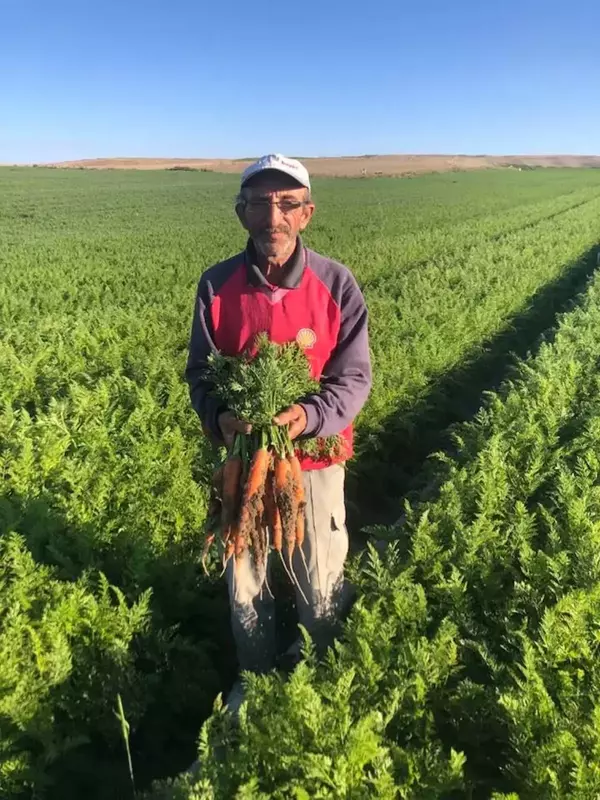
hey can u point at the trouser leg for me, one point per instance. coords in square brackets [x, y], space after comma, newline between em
[325, 549]
[252, 614]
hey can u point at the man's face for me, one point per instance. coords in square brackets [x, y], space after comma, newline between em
[275, 211]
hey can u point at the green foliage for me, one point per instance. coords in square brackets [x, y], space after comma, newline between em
[474, 641]
[65, 650]
[258, 384]
[267, 379]
[466, 667]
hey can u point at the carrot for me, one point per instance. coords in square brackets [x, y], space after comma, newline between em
[300, 520]
[229, 550]
[285, 500]
[281, 474]
[300, 530]
[284, 497]
[276, 527]
[297, 478]
[255, 531]
[254, 489]
[277, 530]
[255, 483]
[261, 535]
[272, 516]
[298, 499]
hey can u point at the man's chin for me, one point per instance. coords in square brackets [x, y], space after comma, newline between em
[268, 248]
[272, 249]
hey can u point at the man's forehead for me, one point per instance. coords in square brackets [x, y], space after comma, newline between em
[266, 191]
[273, 182]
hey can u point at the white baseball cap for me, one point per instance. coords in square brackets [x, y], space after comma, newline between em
[289, 166]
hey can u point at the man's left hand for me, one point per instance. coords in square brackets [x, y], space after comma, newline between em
[294, 417]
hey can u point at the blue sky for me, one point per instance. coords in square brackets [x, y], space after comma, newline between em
[178, 78]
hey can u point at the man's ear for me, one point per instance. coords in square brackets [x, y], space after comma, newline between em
[307, 213]
[239, 210]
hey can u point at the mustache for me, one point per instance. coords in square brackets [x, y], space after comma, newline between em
[278, 229]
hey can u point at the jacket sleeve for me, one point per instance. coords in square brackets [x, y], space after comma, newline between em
[346, 378]
[201, 345]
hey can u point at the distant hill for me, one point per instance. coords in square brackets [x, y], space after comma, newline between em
[349, 165]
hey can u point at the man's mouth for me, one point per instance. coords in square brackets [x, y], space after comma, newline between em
[273, 234]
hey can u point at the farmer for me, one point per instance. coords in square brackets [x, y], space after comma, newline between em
[279, 286]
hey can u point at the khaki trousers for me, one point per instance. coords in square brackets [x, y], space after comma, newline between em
[319, 596]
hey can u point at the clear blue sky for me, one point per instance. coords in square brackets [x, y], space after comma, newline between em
[94, 78]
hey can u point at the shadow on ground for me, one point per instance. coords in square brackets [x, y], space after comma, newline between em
[390, 464]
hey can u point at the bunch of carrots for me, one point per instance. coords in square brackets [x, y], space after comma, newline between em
[257, 495]
[258, 501]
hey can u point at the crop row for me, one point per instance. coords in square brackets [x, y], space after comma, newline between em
[450, 315]
[468, 666]
[103, 465]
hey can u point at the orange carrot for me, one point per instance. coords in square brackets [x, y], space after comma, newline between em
[300, 530]
[282, 475]
[277, 530]
[300, 520]
[298, 503]
[255, 483]
[284, 522]
[288, 510]
[272, 516]
[298, 499]
[254, 489]
[297, 478]
[284, 496]
[255, 532]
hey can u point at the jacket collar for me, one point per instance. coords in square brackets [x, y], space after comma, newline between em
[293, 269]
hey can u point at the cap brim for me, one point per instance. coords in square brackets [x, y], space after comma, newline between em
[264, 172]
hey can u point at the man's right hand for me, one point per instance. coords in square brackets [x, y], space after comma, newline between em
[229, 425]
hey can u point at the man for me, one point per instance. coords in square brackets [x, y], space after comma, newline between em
[279, 286]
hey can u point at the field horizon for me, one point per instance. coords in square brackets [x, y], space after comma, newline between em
[347, 166]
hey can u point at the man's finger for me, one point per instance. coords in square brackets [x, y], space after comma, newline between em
[230, 425]
[293, 416]
[241, 427]
[285, 417]
[296, 428]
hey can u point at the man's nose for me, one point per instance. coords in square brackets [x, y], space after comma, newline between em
[274, 214]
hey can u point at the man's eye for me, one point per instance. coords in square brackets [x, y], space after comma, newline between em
[286, 206]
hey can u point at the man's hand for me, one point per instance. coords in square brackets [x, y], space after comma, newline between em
[294, 417]
[230, 425]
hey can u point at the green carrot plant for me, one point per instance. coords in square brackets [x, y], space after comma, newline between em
[104, 470]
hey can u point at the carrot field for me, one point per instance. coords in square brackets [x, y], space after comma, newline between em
[468, 666]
